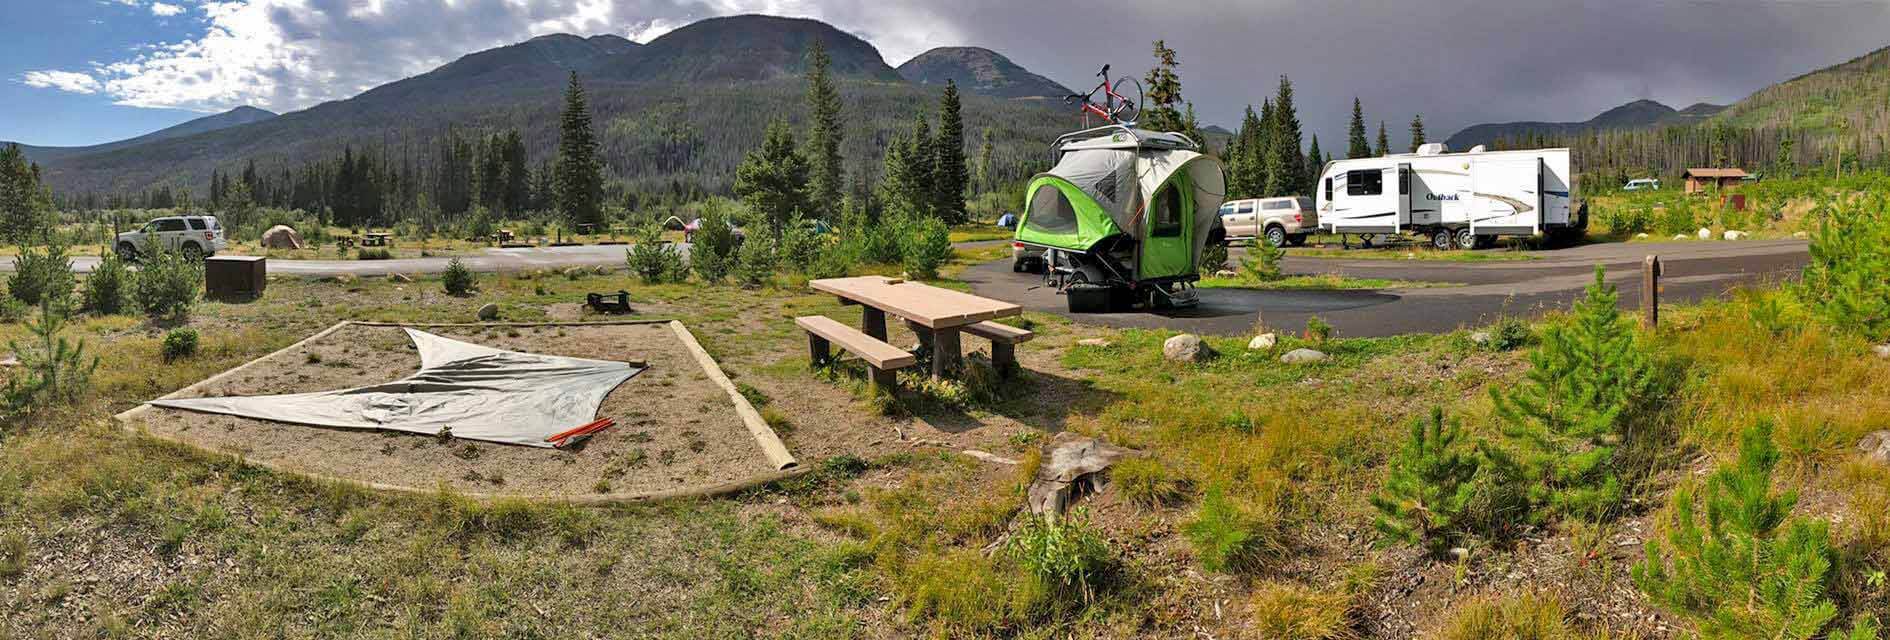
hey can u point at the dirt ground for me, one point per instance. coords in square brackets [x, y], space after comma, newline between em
[675, 428]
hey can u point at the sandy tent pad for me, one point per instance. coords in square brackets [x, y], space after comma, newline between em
[677, 429]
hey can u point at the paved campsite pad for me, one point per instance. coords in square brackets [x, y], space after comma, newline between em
[676, 429]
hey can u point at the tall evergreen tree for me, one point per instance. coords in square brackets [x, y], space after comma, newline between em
[1315, 161]
[1191, 127]
[1162, 111]
[984, 179]
[1417, 132]
[24, 203]
[1244, 172]
[949, 178]
[580, 177]
[1261, 155]
[1286, 166]
[771, 180]
[516, 195]
[826, 130]
[906, 181]
[1356, 144]
[1384, 141]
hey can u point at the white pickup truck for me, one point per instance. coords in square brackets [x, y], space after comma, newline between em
[1280, 220]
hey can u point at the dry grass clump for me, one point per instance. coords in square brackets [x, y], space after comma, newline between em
[1288, 611]
[1529, 616]
[1147, 482]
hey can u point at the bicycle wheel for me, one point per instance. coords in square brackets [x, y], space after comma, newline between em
[1131, 91]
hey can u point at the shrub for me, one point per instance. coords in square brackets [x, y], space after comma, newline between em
[1508, 334]
[1318, 330]
[1262, 262]
[1287, 611]
[653, 260]
[1222, 536]
[42, 274]
[180, 343]
[712, 253]
[374, 253]
[1590, 384]
[1525, 617]
[1748, 569]
[832, 262]
[458, 279]
[801, 246]
[1430, 486]
[168, 285]
[756, 261]
[1213, 258]
[924, 246]
[1146, 481]
[872, 242]
[12, 310]
[107, 289]
[52, 371]
[1678, 219]
[1848, 279]
[1065, 554]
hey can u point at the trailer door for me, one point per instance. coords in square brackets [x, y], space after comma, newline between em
[1507, 196]
[1405, 176]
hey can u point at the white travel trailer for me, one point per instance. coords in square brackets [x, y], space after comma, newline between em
[1464, 200]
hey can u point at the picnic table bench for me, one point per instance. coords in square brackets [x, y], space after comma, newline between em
[937, 315]
[375, 239]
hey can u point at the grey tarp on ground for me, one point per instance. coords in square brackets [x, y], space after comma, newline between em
[481, 393]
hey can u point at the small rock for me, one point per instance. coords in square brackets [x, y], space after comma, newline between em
[340, 278]
[1875, 446]
[1226, 273]
[1302, 356]
[1263, 342]
[489, 312]
[1679, 236]
[1800, 235]
[10, 361]
[1704, 233]
[399, 277]
[1733, 235]
[1882, 351]
[1480, 337]
[1640, 236]
[576, 272]
[1093, 342]
[1187, 347]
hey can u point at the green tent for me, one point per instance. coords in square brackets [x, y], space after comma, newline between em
[1142, 201]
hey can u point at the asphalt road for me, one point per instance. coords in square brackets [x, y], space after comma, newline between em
[488, 261]
[1693, 270]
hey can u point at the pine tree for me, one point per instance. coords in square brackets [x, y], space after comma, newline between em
[771, 179]
[24, 203]
[1417, 132]
[1243, 174]
[515, 197]
[1589, 388]
[1749, 569]
[826, 131]
[1261, 154]
[1429, 490]
[1356, 144]
[580, 179]
[1287, 167]
[906, 181]
[53, 370]
[1163, 109]
[984, 181]
[1191, 127]
[1384, 141]
[1315, 162]
[949, 179]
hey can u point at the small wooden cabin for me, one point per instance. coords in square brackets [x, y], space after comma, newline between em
[1707, 179]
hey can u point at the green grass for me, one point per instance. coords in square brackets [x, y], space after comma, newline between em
[980, 232]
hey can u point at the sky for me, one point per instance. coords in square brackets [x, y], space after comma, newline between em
[78, 72]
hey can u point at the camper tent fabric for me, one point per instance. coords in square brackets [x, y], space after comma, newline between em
[481, 393]
[1205, 188]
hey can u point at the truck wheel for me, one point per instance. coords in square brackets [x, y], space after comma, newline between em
[1466, 239]
[1276, 236]
[127, 252]
[192, 252]
[1441, 239]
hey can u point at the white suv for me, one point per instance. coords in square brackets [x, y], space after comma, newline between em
[194, 236]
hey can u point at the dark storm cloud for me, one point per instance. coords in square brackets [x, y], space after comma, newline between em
[1457, 62]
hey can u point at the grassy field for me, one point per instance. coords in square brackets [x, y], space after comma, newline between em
[896, 534]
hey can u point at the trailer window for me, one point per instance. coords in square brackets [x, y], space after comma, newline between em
[1369, 182]
[1165, 213]
[1050, 211]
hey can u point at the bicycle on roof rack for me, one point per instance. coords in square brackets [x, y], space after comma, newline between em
[1116, 108]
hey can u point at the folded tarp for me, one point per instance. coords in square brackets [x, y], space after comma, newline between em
[480, 393]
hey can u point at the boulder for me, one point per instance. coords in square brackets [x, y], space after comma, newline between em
[1303, 356]
[1733, 235]
[1093, 342]
[1640, 236]
[1480, 337]
[282, 237]
[1072, 468]
[1875, 446]
[489, 312]
[1704, 233]
[1882, 351]
[1187, 347]
[399, 277]
[1679, 236]
[1226, 273]
[1263, 342]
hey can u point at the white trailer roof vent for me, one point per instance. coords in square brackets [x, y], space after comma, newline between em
[1477, 149]
[1432, 148]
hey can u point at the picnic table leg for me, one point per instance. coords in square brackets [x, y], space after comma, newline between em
[873, 322]
[945, 352]
[924, 334]
[1004, 358]
[817, 350]
[885, 380]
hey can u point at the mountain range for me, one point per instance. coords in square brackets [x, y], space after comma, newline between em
[234, 117]
[1639, 114]
[980, 71]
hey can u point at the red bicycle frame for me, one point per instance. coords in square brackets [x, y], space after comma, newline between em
[1114, 104]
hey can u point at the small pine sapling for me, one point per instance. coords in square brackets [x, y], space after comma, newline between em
[1430, 487]
[53, 371]
[1262, 263]
[1848, 278]
[457, 279]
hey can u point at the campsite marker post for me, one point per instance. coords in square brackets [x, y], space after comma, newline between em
[1650, 292]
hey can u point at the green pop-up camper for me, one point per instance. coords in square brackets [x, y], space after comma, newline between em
[1123, 217]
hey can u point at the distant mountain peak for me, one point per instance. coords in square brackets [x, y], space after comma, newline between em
[1636, 114]
[748, 48]
[981, 71]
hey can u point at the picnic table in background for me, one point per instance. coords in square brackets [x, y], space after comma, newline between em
[375, 239]
[936, 314]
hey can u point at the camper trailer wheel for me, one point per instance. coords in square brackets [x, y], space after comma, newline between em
[1467, 239]
[1441, 239]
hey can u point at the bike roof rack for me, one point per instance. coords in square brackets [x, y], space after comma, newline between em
[1137, 135]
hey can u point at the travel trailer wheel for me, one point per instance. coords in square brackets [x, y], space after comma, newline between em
[1441, 239]
[1467, 239]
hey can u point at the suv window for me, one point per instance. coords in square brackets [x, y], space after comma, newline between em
[1303, 202]
[1227, 208]
[1278, 205]
[196, 224]
[170, 224]
[1369, 182]
[1246, 207]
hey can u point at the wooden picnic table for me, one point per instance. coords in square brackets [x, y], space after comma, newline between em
[936, 314]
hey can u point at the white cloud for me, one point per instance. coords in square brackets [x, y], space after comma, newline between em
[163, 10]
[62, 80]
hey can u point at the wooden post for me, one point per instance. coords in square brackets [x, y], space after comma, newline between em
[1650, 293]
[945, 352]
[873, 322]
